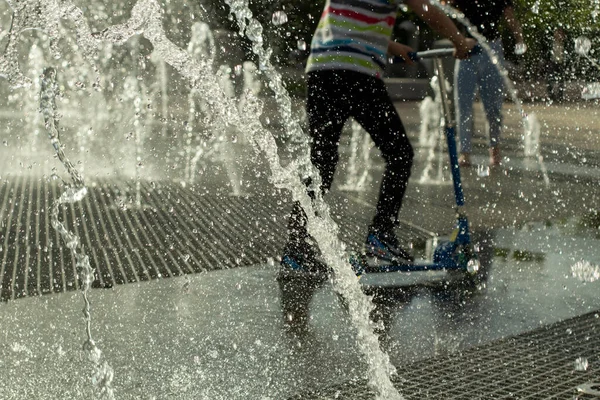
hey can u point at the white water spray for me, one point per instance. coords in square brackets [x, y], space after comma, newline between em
[103, 374]
[146, 19]
[320, 225]
[359, 164]
[431, 135]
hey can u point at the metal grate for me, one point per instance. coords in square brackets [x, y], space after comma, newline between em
[176, 231]
[540, 364]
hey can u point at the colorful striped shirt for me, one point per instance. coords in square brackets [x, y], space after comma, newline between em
[353, 35]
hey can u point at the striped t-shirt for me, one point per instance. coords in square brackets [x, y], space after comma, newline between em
[353, 35]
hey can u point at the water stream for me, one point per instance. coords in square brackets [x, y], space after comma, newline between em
[359, 164]
[226, 115]
[103, 374]
[320, 224]
[431, 136]
[146, 19]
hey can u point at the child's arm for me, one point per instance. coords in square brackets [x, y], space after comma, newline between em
[439, 21]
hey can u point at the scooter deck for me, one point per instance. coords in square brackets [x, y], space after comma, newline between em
[361, 265]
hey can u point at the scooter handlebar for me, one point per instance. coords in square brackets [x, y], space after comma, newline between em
[445, 52]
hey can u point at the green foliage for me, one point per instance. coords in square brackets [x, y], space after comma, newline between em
[540, 19]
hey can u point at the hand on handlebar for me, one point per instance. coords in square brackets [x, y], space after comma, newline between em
[401, 50]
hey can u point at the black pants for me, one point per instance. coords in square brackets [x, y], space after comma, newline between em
[335, 96]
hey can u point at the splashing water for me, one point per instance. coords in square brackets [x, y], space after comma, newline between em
[103, 374]
[585, 271]
[320, 224]
[360, 148]
[583, 45]
[591, 91]
[532, 137]
[460, 17]
[133, 91]
[34, 123]
[581, 364]
[279, 18]
[431, 134]
[201, 47]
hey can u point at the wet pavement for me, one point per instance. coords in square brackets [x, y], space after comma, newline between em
[217, 332]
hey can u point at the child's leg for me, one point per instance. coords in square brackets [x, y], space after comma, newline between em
[327, 114]
[374, 110]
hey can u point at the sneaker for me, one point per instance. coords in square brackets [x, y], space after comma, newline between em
[302, 260]
[385, 246]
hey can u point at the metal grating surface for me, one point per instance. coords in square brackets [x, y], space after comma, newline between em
[536, 365]
[176, 231]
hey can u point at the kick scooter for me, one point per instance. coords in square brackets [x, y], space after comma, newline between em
[456, 253]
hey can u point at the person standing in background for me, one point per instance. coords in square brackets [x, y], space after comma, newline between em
[556, 65]
[480, 71]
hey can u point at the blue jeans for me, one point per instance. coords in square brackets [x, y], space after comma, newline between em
[479, 71]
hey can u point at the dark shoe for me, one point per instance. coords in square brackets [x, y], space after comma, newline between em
[303, 260]
[385, 246]
[302, 271]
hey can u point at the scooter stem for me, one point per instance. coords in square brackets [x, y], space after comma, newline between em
[450, 130]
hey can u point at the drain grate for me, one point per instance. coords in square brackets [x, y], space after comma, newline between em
[176, 231]
[547, 363]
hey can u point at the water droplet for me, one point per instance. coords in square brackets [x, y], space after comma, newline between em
[186, 257]
[483, 170]
[583, 45]
[520, 48]
[237, 70]
[581, 364]
[279, 18]
[473, 266]
[301, 45]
